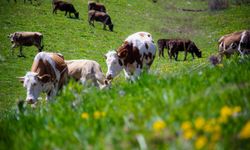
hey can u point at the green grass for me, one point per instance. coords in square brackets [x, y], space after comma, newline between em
[173, 92]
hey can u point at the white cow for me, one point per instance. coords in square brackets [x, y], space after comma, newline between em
[84, 70]
[48, 74]
[137, 52]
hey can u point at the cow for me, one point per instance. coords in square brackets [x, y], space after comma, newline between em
[162, 43]
[96, 6]
[100, 17]
[48, 74]
[65, 6]
[176, 45]
[135, 54]
[83, 70]
[234, 43]
[19, 39]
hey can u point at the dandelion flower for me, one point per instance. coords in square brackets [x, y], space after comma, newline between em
[159, 125]
[186, 125]
[226, 111]
[103, 114]
[208, 128]
[85, 115]
[188, 134]
[200, 142]
[97, 114]
[199, 122]
[245, 131]
[236, 109]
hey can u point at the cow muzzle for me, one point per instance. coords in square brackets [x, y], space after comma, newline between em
[30, 101]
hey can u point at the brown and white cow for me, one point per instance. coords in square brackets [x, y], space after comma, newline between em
[19, 39]
[48, 74]
[236, 42]
[100, 17]
[84, 70]
[96, 6]
[137, 52]
[176, 45]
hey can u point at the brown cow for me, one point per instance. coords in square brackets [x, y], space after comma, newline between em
[100, 17]
[65, 6]
[19, 39]
[48, 74]
[176, 45]
[96, 6]
[162, 43]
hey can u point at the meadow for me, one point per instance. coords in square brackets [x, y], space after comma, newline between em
[178, 105]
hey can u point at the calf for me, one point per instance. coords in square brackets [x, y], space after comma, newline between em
[48, 74]
[19, 39]
[137, 52]
[176, 45]
[96, 6]
[101, 17]
[65, 6]
[162, 43]
[85, 70]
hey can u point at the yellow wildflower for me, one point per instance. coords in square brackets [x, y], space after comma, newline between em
[186, 125]
[188, 134]
[199, 122]
[223, 119]
[208, 128]
[159, 125]
[103, 114]
[226, 111]
[245, 131]
[200, 142]
[85, 115]
[97, 114]
[236, 109]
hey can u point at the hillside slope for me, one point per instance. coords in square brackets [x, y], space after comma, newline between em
[149, 113]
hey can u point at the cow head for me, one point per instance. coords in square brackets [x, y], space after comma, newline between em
[114, 64]
[111, 26]
[77, 15]
[34, 85]
[195, 49]
[14, 36]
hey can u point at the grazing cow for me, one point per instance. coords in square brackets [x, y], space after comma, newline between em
[101, 17]
[137, 52]
[236, 42]
[176, 45]
[65, 6]
[48, 74]
[26, 39]
[162, 43]
[96, 6]
[85, 70]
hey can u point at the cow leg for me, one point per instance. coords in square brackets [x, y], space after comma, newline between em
[12, 48]
[83, 80]
[192, 54]
[104, 26]
[21, 52]
[66, 13]
[185, 57]
[176, 56]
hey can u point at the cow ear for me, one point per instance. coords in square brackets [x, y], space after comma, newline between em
[105, 56]
[44, 78]
[123, 53]
[21, 79]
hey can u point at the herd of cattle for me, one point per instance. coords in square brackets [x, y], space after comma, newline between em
[49, 71]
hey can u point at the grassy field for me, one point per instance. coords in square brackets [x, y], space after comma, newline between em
[179, 105]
